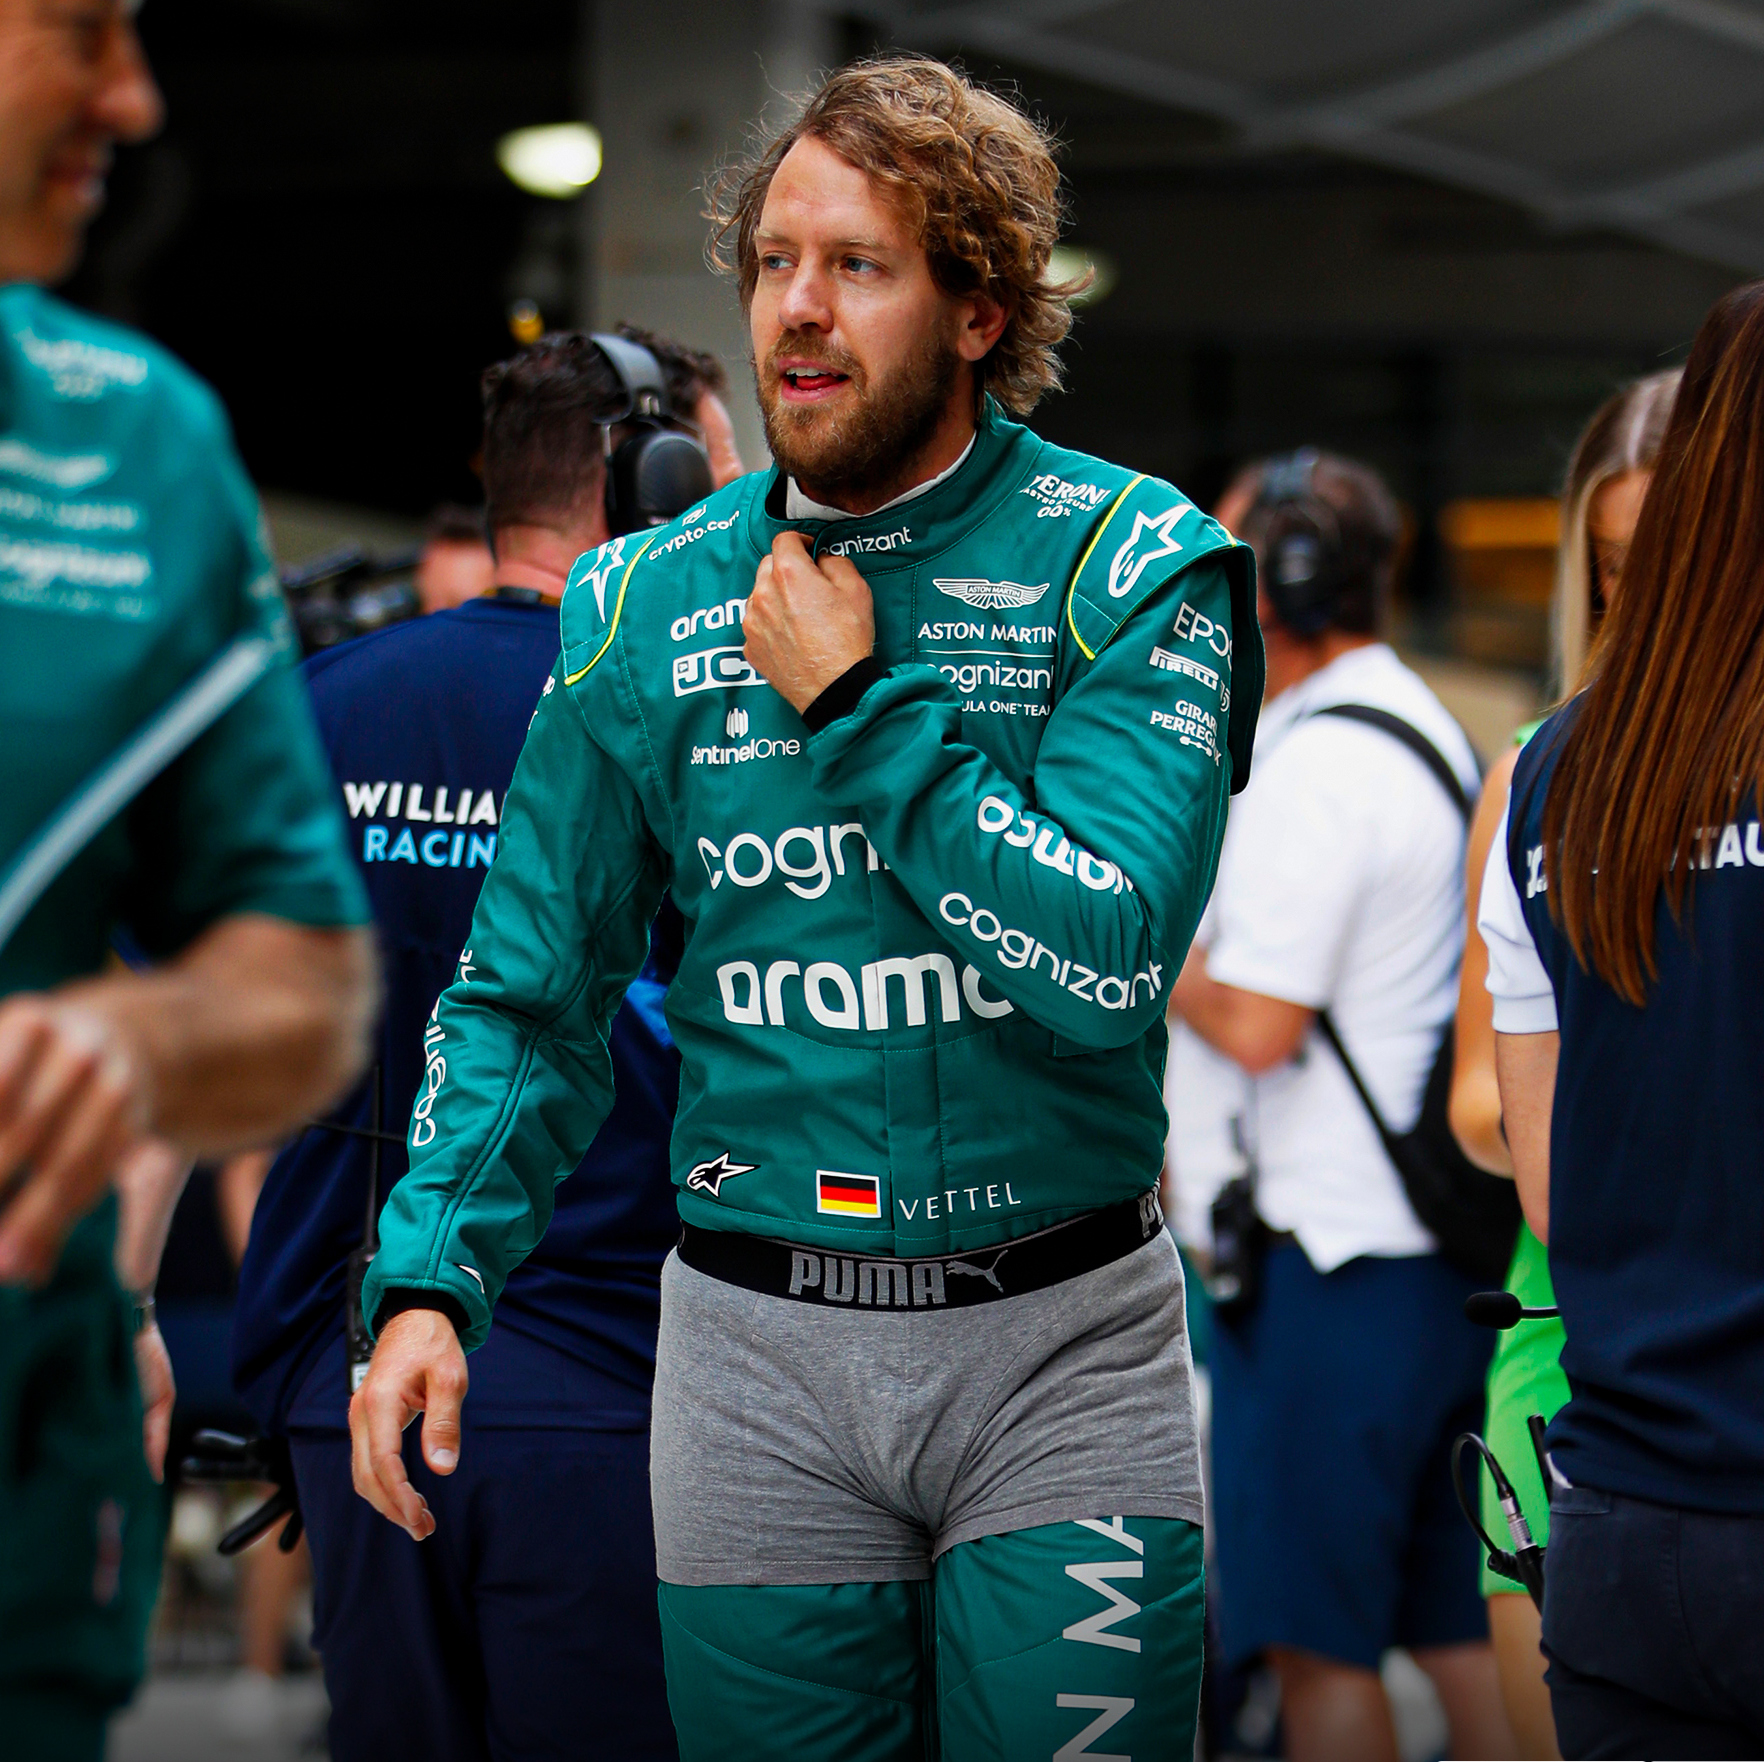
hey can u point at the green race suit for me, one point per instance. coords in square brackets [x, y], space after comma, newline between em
[921, 1007]
[129, 555]
[920, 1011]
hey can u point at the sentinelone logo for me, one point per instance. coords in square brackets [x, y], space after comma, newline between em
[735, 724]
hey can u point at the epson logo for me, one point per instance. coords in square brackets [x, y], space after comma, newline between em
[711, 670]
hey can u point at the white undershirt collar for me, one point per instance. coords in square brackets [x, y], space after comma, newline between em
[798, 506]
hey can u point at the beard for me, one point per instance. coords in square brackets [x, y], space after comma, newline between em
[865, 452]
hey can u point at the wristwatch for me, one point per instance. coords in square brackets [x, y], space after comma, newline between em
[146, 1311]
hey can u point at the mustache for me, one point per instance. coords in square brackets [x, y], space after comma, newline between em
[806, 348]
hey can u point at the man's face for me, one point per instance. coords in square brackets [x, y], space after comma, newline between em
[73, 82]
[452, 571]
[857, 352]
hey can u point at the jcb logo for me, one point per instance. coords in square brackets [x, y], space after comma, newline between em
[707, 669]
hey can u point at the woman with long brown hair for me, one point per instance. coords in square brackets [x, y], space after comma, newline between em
[1623, 910]
[1608, 475]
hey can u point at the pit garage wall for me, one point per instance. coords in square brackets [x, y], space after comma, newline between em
[674, 86]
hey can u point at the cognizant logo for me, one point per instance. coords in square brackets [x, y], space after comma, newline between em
[873, 541]
[805, 857]
[1019, 951]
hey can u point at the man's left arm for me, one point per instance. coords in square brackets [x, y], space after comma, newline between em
[1075, 899]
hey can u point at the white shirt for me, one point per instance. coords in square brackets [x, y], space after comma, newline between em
[1524, 999]
[1341, 886]
[798, 506]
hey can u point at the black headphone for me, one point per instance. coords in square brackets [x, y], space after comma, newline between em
[1306, 563]
[655, 472]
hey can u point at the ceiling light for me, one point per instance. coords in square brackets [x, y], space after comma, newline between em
[1068, 262]
[561, 159]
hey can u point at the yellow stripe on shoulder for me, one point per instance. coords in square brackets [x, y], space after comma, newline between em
[1072, 591]
[618, 607]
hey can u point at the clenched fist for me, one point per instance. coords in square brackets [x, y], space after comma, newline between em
[807, 622]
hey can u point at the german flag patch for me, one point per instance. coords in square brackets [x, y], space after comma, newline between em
[850, 1195]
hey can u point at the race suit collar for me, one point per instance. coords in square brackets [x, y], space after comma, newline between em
[800, 506]
[1000, 455]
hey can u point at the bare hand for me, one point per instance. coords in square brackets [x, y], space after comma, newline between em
[159, 1391]
[418, 1367]
[806, 622]
[73, 1098]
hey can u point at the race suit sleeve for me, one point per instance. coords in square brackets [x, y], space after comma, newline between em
[518, 1076]
[246, 820]
[1078, 896]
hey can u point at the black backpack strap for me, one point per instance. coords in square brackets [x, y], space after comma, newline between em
[1435, 761]
[1413, 739]
[1386, 1136]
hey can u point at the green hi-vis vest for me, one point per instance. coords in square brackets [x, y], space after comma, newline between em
[929, 949]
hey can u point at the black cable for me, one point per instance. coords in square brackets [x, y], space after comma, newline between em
[1524, 1563]
[350, 1131]
[222, 1456]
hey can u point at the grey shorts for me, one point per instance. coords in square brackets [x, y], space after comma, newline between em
[800, 1445]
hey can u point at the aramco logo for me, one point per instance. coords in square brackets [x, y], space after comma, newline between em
[736, 723]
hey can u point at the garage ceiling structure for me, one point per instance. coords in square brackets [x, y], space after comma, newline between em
[1644, 117]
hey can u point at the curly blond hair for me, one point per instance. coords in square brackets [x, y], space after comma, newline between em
[973, 175]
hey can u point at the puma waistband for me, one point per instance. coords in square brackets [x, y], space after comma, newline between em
[833, 1278]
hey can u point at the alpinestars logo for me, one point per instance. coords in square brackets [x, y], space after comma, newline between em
[1154, 531]
[708, 1177]
[991, 596]
[606, 560]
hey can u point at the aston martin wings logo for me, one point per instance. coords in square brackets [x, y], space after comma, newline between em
[708, 1177]
[990, 596]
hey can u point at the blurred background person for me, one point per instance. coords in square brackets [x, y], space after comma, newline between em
[1608, 475]
[528, 1627]
[455, 564]
[1338, 1386]
[229, 868]
[1628, 1045]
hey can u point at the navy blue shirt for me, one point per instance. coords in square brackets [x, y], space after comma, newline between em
[1657, 1180]
[423, 723]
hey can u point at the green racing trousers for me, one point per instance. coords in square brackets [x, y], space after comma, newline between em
[1065, 1641]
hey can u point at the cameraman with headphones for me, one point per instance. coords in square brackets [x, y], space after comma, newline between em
[1345, 1367]
[529, 1627]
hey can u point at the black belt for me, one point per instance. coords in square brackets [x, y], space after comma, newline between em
[833, 1279]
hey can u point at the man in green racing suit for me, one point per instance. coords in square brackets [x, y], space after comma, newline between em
[131, 565]
[930, 733]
